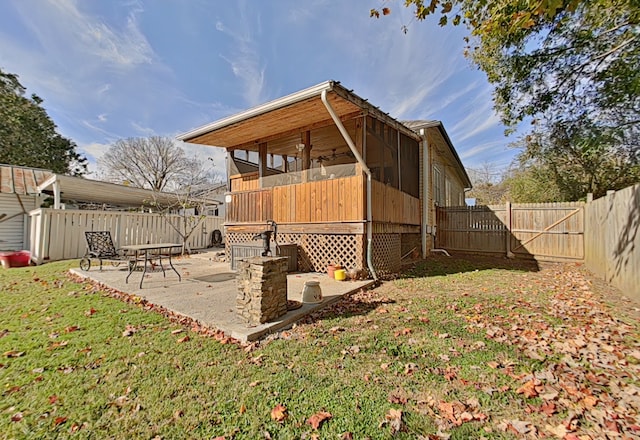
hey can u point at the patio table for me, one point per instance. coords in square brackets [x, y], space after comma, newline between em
[149, 255]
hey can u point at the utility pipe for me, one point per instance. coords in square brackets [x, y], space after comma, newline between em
[365, 168]
[425, 190]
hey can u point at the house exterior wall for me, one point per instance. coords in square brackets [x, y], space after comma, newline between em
[14, 227]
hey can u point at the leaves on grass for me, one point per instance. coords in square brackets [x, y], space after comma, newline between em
[318, 418]
[16, 417]
[279, 413]
[90, 312]
[129, 330]
[393, 418]
[13, 354]
[59, 421]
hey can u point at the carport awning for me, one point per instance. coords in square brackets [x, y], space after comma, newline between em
[93, 191]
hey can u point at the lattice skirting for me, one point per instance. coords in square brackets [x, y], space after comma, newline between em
[386, 254]
[316, 251]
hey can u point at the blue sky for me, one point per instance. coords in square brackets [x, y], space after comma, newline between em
[109, 70]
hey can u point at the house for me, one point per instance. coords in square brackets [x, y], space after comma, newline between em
[343, 180]
[18, 195]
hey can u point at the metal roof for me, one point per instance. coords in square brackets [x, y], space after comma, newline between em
[93, 191]
[21, 180]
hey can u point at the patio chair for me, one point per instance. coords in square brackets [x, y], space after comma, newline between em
[100, 246]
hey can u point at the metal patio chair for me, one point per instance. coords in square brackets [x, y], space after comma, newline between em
[100, 246]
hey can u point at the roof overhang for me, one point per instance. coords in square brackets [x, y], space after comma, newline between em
[93, 191]
[286, 116]
[422, 126]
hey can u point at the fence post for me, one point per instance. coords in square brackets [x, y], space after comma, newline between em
[508, 231]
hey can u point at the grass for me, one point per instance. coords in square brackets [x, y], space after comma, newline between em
[437, 344]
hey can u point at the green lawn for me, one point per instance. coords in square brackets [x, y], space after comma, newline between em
[455, 348]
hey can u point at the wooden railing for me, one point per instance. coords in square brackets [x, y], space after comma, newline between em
[245, 182]
[58, 234]
[390, 205]
[325, 201]
[331, 200]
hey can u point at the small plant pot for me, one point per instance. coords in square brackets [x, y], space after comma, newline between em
[340, 275]
[15, 259]
[331, 270]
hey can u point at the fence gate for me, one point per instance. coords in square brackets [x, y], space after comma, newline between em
[544, 231]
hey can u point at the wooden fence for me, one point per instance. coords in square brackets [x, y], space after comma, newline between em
[612, 239]
[544, 231]
[58, 234]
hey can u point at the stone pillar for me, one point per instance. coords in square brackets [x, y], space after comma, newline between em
[262, 289]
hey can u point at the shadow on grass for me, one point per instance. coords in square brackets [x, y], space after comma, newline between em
[438, 265]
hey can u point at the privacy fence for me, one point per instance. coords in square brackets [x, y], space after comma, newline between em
[602, 233]
[58, 234]
[544, 231]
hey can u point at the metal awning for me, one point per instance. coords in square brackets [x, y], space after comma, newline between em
[93, 191]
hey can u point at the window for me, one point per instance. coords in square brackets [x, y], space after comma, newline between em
[447, 192]
[437, 187]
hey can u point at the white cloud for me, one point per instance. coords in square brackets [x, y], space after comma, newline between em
[245, 59]
[102, 117]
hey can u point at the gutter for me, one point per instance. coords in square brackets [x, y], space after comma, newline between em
[352, 147]
[259, 110]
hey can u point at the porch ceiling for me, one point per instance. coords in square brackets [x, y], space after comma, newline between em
[286, 117]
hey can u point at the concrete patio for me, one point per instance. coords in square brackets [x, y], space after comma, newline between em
[207, 292]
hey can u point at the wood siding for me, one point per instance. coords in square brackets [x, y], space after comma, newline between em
[325, 201]
[245, 182]
[545, 231]
[391, 205]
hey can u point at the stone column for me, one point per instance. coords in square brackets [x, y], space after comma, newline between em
[262, 289]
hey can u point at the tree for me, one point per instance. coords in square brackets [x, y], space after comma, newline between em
[572, 67]
[28, 137]
[155, 163]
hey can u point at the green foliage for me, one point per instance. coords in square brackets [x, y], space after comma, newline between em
[28, 137]
[573, 67]
[452, 345]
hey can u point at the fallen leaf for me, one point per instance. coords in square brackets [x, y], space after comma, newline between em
[129, 330]
[13, 354]
[255, 383]
[243, 409]
[72, 328]
[528, 389]
[346, 436]
[279, 413]
[59, 421]
[175, 332]
[316, 420]
[16, 417]
[53, 399]
[90, 312]
[394, 419]
[549, 408]
[184, 339]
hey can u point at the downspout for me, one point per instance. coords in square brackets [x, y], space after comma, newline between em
[425, 191]
[352, 147]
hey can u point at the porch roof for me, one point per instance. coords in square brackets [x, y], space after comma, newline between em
[287, 116]
[94, 191]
